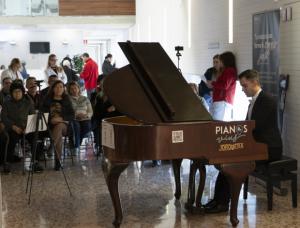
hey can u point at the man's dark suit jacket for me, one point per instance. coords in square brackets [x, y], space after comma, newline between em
[266, 130]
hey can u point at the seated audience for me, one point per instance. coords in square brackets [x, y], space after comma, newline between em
[14, 115]
[61, 113]
[13, 70]
[53, 68]
[262, 109]
[102, 109]
[96, 98]
[83, 113]
[4, 93]
[44, 92]
[32, 92]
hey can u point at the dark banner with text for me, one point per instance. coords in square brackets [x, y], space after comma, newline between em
[266, 49]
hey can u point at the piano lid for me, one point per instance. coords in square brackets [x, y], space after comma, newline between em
[151, 89]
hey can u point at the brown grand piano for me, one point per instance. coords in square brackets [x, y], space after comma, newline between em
[165, 120]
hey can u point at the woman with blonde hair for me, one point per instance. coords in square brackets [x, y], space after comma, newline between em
[54, 69]
[13, 70]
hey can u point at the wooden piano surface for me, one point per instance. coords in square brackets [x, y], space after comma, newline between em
[152, 90]
[217, 142]
[229, 144]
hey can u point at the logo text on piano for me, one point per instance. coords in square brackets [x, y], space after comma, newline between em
[227, 136]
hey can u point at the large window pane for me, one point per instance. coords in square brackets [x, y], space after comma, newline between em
[28, 7]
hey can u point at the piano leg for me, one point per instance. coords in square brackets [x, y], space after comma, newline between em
[191, 188]
[112, 172]
[196, 165]
[176, 169]
[236, 174]
[202, 172]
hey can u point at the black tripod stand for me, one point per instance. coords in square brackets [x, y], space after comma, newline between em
[41, 120]
[178, 54]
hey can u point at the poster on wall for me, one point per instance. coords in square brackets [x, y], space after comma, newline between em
[266, 49]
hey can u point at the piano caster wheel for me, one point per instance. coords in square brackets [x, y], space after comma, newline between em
[234, 222]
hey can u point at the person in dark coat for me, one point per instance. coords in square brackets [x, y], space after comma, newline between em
[4, 93]
[14, 115]
[71, 74]
[107, 66]
[262, 109]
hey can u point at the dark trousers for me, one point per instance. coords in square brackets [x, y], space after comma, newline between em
[13, 140]
[222, 188]
[97, 132]
[3, 141]
[81, 128]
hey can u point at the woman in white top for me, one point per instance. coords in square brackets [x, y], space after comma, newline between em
[13, 70]
[83, 113]
[54, 69]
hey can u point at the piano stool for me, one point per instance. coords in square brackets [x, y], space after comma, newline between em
[273, 173]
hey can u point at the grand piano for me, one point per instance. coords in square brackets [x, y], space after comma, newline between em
[165, 120]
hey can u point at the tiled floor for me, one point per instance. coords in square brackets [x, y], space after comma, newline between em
[146, 193]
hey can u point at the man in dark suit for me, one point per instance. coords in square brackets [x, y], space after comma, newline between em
[262, 109]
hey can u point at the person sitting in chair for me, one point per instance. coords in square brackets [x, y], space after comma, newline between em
[262, 109]
[83, 113]
[61, 112]
[14, 115]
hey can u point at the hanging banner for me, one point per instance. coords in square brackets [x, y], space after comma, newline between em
[266, 49]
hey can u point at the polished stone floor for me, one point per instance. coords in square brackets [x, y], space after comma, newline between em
[146, 193]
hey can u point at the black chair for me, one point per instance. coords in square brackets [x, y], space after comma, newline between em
[273, 173]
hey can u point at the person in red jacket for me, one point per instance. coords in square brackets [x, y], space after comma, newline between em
[89, 74]
[224, 88]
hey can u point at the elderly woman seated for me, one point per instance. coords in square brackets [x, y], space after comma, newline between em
[83, 113]
[14, 115]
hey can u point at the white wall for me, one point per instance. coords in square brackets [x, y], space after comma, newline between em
[168, 24]
[74, 37]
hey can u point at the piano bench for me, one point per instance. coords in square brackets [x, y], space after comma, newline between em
[275, 172]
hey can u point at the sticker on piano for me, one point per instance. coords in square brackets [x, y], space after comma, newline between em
[108, 136]
[177, 136]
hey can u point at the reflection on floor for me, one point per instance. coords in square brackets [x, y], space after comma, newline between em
[146, 193]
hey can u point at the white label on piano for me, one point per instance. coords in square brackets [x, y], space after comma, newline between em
[177, 136]
[108, 136]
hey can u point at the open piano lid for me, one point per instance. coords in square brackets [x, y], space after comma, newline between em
[151, 89]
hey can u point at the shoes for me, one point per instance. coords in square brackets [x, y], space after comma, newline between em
[57, 165]
[6, 168]
[216, 209]
[211, 203]
[37, 168]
